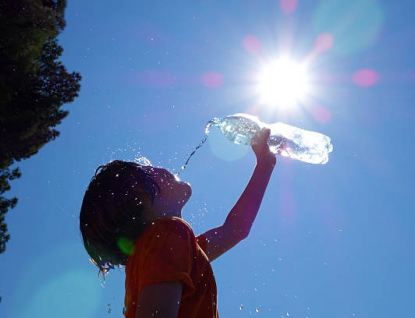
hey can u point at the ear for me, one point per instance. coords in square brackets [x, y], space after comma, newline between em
[141, 198]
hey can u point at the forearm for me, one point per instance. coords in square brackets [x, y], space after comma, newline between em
[244, 212]
[239, 221]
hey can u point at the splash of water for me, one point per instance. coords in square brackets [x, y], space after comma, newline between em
[143, 161]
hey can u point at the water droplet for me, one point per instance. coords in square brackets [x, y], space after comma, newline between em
[143, 161]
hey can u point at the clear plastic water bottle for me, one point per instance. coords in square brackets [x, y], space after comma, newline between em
[285, 140]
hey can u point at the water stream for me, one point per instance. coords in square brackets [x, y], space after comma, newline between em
[207, 128]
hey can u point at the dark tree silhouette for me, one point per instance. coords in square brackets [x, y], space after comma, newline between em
[34, 85]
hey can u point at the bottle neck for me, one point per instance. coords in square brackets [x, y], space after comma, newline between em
[215, 122]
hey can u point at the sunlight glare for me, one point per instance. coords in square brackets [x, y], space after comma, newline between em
[283, 83]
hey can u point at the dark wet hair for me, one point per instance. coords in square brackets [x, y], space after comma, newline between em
[111, 217]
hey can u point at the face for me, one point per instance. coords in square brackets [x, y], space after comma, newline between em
[173, 194]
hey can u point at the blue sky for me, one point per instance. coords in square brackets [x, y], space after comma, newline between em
[332, 240]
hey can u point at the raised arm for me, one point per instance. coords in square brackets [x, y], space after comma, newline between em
[241, 217]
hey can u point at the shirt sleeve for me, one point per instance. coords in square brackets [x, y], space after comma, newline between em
[169, 257]
[201, 241]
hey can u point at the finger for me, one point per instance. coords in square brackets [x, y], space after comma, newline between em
[264, 135]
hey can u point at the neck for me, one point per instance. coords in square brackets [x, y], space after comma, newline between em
[168, 211]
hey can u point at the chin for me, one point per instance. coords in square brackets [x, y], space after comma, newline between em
[184, 199]
[182, 194]
[187, 191]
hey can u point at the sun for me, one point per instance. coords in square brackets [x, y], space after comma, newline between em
[283, 83]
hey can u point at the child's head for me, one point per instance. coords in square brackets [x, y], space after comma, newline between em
[115, 210]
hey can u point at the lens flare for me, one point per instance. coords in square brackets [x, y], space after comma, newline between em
[212, 79]
[251, 44]
[365, 78]
[288, 6]
[322, 114]
[125, 245]
[355, 25]
[323, 42]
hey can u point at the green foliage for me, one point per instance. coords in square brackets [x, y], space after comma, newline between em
[34, 85]
[5, 204]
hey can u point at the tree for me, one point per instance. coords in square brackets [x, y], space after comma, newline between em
[34, 85]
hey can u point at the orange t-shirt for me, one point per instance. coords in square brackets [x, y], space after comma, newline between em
[166, 251]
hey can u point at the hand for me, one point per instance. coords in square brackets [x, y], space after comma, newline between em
[261, 149]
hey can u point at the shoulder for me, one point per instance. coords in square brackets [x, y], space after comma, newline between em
[164, 235]
[173, 224]
[165, 229]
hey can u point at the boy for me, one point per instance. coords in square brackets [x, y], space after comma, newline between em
[131, 215]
